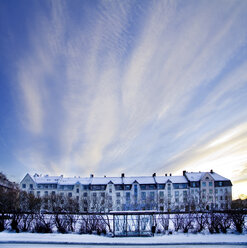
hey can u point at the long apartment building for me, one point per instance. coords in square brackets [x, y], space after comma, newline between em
[191, 191]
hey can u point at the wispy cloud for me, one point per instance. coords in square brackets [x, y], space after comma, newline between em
[121, 85]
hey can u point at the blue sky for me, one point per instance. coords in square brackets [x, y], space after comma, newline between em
[106, 87]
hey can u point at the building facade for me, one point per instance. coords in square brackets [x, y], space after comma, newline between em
[191, 191]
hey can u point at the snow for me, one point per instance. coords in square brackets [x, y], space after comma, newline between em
[177, 238]
[196, 176]
[106, 180]
[173, 179]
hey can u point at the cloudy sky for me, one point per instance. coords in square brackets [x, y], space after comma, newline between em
[106, 87]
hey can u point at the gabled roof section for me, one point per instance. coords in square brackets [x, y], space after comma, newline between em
[197, 176]
[28, 176]
[218, 177]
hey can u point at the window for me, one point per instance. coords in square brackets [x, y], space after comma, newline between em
[135, 188]
[221, 197]
[161, 201]
[31, 186]
[177, 200]
[77, 190]
[210, 184]
[210, 191]
[169, 186]
[151, 187]
[23, 185]
[94, 194]
[226, 190]
[118, 194]
[102, 194]
[119, 187]
[176, 193]
[220, 184]
[185, 193]
[77, 198]
[204, 184]
[151, 195]
[143, 187]
[143, 196]
[110, 188]
[85, 187]
[161, 186]
[98, 187]
[53, 192]
[85, 194]
[161, 193]
[46, 193]
[127, 196]
[226, 198]
[127, 187]
[192, 192]
[118, 202]
[70, 194]
[216, 191]
[38, 193]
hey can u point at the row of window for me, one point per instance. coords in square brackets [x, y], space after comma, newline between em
[103, 187]
[204, 184]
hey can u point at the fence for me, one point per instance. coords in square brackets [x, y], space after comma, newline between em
[126, 223]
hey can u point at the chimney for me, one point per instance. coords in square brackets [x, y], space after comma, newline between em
[211, 171]
[122, 175]
[170, 174]
[154, 175]
[166, 174]
[91, 175]
[184, 172]
[104, 175]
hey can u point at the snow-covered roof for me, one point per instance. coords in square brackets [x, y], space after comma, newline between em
[106, 180]
[218, 177]
[140, 180]
[191, 176]
[196, 176]
[74, 180]
[173, 179]
[46, 179]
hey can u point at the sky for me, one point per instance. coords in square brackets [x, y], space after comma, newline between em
[134, 87]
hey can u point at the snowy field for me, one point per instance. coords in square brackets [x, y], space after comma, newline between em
[115, 246]
[181, 240]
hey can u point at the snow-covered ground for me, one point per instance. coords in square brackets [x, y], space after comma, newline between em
[177, 238]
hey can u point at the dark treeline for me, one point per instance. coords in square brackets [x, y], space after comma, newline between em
[23, 212]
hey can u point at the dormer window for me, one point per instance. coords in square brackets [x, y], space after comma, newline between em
[110, 188]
